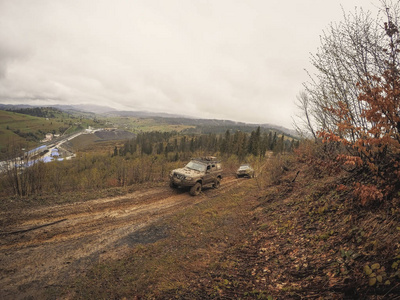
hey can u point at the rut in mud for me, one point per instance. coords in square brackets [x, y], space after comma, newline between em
[41, 248]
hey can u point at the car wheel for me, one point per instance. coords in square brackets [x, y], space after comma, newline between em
[217, 183]
[196, 189]
[172, 185]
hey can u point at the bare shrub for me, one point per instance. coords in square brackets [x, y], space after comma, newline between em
[276, 167]
[320, 158]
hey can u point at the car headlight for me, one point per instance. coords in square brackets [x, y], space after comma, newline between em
[188, 178]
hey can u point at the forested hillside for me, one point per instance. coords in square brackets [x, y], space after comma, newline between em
[148, 157]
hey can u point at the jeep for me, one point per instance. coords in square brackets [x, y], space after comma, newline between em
[196, 174]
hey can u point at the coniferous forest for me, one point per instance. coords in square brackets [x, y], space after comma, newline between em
[146, 158]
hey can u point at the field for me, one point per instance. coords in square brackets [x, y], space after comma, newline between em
[136, 125]
[100, 142]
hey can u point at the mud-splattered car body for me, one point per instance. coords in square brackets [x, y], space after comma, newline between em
[196, 174]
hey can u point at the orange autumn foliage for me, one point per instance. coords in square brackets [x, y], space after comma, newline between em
[367, 193]
[373, 144]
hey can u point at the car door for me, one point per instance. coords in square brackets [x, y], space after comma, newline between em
[208, 177]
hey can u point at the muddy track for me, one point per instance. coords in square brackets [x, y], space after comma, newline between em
[41, 248]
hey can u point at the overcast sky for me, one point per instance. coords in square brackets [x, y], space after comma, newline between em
[224, 59]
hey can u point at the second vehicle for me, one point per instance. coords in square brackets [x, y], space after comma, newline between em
[245, 170]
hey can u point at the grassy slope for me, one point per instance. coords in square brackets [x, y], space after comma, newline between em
[145, 124]
[24, 123]
[285, 241]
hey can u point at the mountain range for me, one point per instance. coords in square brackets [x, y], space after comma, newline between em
[187, 120]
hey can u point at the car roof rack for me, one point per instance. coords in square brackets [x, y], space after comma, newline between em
[206, 159]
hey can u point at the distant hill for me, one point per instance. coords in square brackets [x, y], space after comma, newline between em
[200, 125]
[141, 114]
[96, 109]
[285, 130]
[15, 106]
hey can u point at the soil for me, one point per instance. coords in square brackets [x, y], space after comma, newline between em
[41, 248]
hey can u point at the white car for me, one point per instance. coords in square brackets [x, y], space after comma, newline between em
[245, 171]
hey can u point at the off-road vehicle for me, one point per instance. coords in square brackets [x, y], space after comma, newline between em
[196, 174]
[245, 171]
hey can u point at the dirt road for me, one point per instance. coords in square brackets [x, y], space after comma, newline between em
[41, 248]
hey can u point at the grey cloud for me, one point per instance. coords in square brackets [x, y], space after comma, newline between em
[238, 60]
[10, 52]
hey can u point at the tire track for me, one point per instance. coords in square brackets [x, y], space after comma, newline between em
[45, 246]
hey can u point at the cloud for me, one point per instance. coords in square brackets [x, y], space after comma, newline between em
[10, 50]
[238, 60]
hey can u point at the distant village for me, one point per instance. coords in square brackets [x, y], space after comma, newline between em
[52, 150]
[49, 153]
[49, 137]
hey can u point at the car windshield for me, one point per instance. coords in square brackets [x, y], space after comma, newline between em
[196, 166]
[244, 167]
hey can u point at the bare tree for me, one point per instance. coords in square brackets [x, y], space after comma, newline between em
[304, 124]
[350, 52]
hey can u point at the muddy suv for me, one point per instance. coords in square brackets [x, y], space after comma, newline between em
[196, 174]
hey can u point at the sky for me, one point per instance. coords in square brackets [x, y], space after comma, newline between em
[220, 59]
